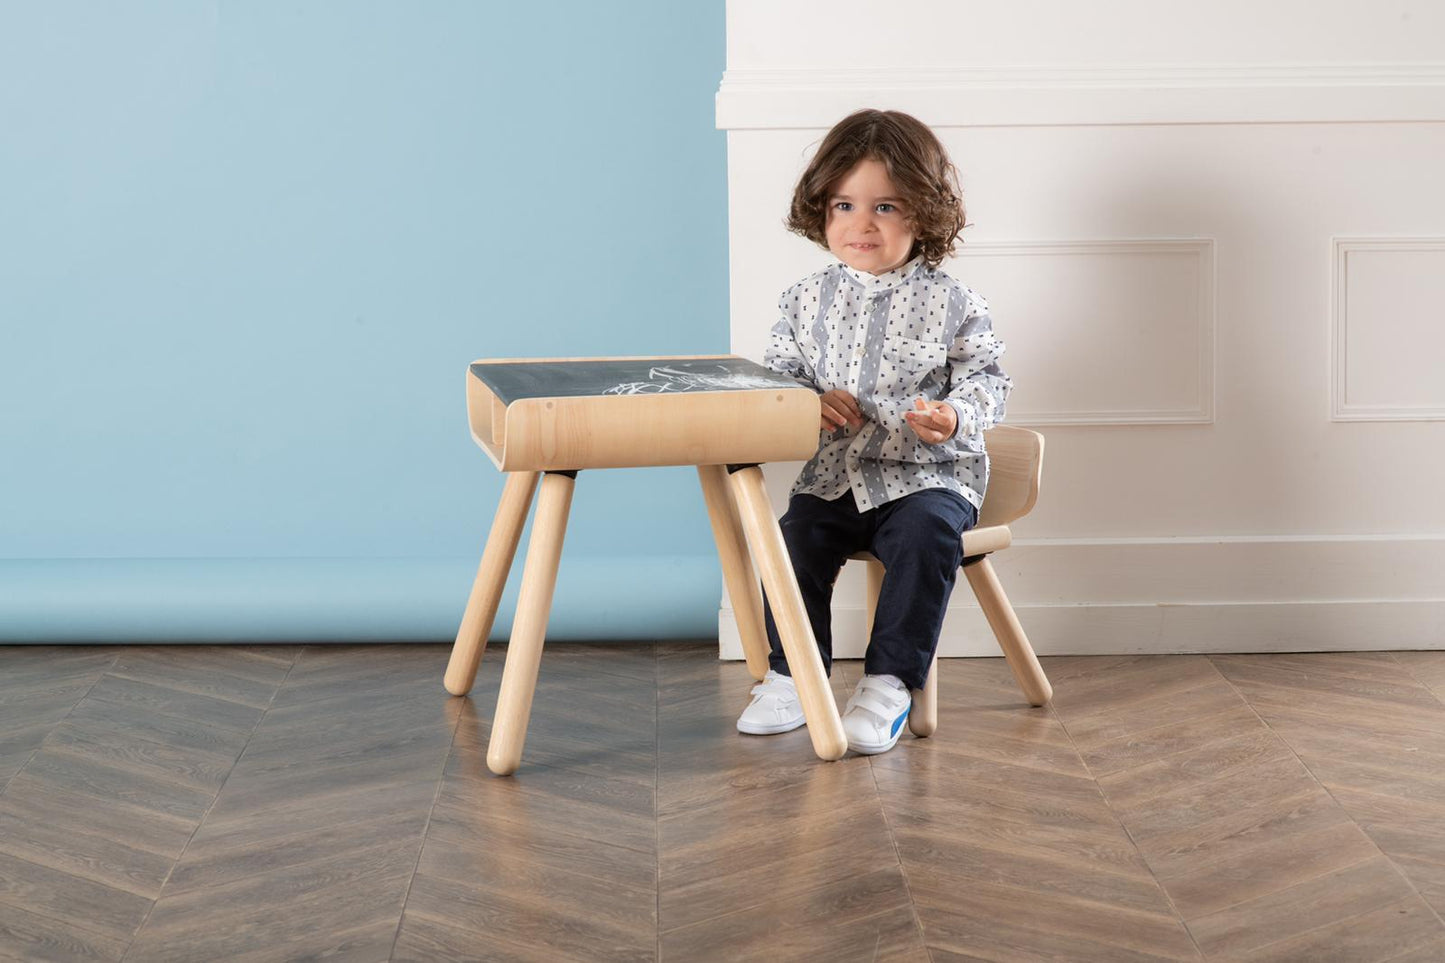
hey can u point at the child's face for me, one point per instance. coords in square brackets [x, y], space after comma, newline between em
[868, 228]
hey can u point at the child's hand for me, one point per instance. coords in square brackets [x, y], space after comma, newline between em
[839, 409]
[933, 421]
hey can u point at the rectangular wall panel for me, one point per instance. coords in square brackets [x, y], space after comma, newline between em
[1103, 332]
[1389, 339]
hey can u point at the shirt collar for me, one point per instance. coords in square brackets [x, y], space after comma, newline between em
[882, 283]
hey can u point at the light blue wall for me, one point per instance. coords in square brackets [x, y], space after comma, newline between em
[246, 250]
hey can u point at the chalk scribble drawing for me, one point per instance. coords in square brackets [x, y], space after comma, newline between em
[670, 379]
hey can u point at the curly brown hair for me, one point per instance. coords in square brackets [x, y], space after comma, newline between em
[916, 163]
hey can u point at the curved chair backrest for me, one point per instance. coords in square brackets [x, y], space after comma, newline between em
[1015, 462]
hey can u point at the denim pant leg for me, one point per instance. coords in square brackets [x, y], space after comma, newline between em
[919, 541]
[819, 535]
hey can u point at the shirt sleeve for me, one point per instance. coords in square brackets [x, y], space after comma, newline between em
[978, 389]
[783, 354]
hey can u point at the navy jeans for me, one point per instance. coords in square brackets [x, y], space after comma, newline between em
[918, 538]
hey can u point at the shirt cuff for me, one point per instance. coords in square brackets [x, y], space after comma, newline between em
[966, 423]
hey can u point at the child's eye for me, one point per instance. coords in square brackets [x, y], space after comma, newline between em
[842, 206]
[886, 208]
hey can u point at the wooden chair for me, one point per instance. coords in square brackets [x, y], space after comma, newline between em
[1015, 458]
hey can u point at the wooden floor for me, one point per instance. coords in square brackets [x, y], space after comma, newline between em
[288, 802]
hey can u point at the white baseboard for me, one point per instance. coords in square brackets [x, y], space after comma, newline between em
[1079, 597]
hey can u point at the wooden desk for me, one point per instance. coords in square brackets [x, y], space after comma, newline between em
[553, 417]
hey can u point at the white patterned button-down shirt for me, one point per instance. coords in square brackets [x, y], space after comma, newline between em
[913, 332]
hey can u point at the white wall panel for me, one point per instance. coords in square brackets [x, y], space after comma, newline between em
[1389, 329]
[1103, 332]
[1277, 407]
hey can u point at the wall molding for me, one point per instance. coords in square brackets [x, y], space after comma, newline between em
[751, 98]
[1202, 412]
[1171, 629]
[1340, 409]
[1170, 595]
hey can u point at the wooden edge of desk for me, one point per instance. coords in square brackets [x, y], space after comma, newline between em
[486, 416]
[626, 431]
[633, 357]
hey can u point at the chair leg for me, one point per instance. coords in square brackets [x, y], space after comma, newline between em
[825, 727]
[497, 557]
[923, 717]
[529, 629]
[737, 566]
[1010, 635]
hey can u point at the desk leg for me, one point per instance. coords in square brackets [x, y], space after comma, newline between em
[497, 558]
[529, 629]
[737, 566]
[825, 728]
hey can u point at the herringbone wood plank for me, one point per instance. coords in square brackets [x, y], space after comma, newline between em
[106, 803]
[559, 862]
[1226, 809]
[311, 844]
[265, 803]
[30, 935]
[40, 686]
[1372, 731]
[998, 821]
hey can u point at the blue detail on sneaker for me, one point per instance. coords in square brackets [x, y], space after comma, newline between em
[898, 723]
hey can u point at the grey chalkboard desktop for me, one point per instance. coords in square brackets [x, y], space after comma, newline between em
[544, 419]
[514, 380]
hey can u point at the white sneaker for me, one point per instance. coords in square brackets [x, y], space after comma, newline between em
[775, 707]
[874, 718]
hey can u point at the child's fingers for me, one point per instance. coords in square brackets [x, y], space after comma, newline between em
[925, 411]
[930, 435]
[843, 407]
[930, 421]
[930, 418]
[937, 414]
[834, 420]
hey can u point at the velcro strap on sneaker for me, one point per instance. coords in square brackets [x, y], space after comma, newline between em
[874, 701]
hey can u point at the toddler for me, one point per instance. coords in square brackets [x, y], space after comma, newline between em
[905, 361]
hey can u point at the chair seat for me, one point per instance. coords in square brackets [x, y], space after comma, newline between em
[976, 541]
[991, 538]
